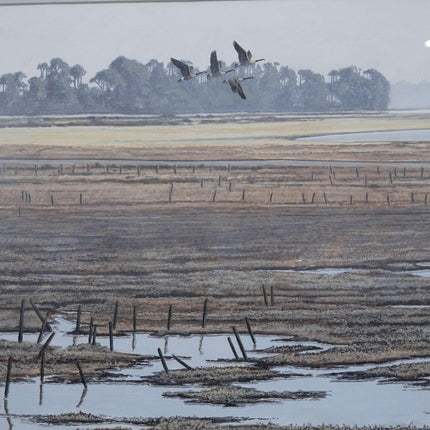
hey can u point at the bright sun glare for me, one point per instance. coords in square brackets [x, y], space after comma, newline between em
[427, 43]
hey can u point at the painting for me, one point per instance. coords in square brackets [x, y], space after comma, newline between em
[214, 214]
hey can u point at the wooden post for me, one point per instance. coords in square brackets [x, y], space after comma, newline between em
[93, 342]
[44, 326]
[264, 295]
[219, 180]
[201, 183]
[42, 368]
[81, 200]
[52, 200]
[404, 172]
[271, 198]
[331, 181]
[243, 194]
[163, 361]
[395, 172]
[303, 198]
[331, 170]
[174, 168]
[313, 197]
[45, 345]
[377, 170]
[272, 295]
[171, 187]
[21, 322]
[169, 317]
[170, 196]
[78, 320]
[325, 198]
[251, 334]
[81, 374]
[205, 309]
[425, 199]
[39, 314]
[239, 341]
[8, 373]
[90, 330]
[138, 170]
[422, 173]
[214, 196]
[107, 169]
[388, 198]
[110, 336]
[391, 177]
[356, 172]
[367, 197]
[230, 342]
[365, 181]
[134, 318]
[350, 200]
[412, 198]
[182, 362]
[19, 211]
[58, 170]
[115, 315]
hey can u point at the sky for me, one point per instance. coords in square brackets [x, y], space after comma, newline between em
[321, 35]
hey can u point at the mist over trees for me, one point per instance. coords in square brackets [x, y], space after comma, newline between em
[130, 87]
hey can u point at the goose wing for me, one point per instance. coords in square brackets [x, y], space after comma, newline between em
[184, 68]
[242, 53]
[233, 84]
[240, 91]
[214, 63]
[249, 55]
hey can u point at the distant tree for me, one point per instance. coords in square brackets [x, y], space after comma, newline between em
[379, 90]
[43, 67]
[58, 81]
[76, 74]
[313, 91]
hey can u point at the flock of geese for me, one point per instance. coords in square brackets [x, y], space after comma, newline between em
[245, 59]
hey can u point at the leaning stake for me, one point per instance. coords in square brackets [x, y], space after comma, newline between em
[182, 362]
[239, 341]
[163, 361]
[21, 322]
[230, 342]
[248, 325]
[81, 374]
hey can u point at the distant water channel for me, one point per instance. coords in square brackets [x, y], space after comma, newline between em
[125, 394]
[374, 136]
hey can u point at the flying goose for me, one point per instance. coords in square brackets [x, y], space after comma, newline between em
[235, 85]
[245, 57]
[185, 69]
[216, 67]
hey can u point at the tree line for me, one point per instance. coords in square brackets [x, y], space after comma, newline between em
[130, 87]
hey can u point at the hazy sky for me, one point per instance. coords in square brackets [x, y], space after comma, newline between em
[388, 35]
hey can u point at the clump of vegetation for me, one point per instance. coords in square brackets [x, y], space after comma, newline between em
[236, 396]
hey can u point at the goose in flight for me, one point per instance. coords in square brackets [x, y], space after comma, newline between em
[235, 85]
[245, 58]
[185, 69]
[216, 67]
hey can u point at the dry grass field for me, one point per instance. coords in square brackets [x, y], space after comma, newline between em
[75, 230]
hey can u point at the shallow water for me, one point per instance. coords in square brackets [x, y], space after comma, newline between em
[375, 136]
[128, 396]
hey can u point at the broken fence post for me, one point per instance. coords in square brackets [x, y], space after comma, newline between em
[325, 198]
[272, 295]
[239, 341]
[271, 198]
[251, 334]
[182, 362]
[243, 194]
[205, 309]
[230, 342]
[169, 317]
[78, 320]
[110, 336]
[42, 329]
[214, 196]
[42, 368]
[21, 322]
[264, 295]
[39, 314]
[8, 373]
[81, 374]
[45, 345]
[115, 316]
[163, 361]
[93, 342]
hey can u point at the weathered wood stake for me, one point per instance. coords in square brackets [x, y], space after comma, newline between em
[377, 170]
[264, 295]
[93, 342]
[230, 342]
[219, 180]
[239, 341]
[422, 173]
[251, 334]
[272, 295]
[388, 198]
[78, 320]
[331, 180]
[425, 199]
[229, 187]
[43, 328]
[41, 317]
[325, 198]
[313, 197]
[303, 198]
[367, 197]
[19, 211]
[90, 330]
[8, 373]
[42, 368]
[163, 361]
[205, 310]
[243, 194]
[271, 198]
[201, 182]
[52, 200]
[110, 336]
[356, 172]
[214, 196]
[169, 317]
[134, 318]
[21, 322]
[81, 374]
[45, 345]
[412, 198]
[182, 362]
[115, 315]
[351, 201]
[81, 199]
